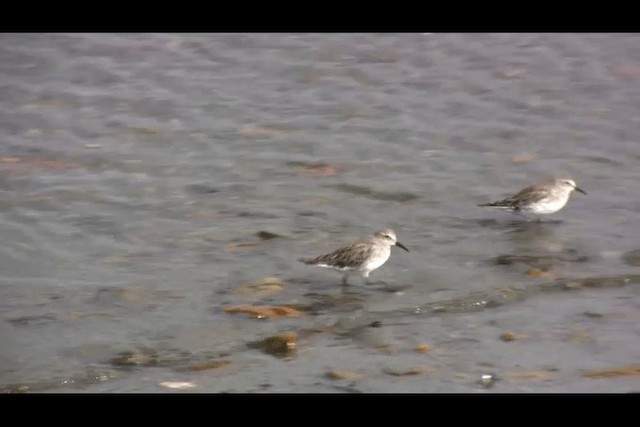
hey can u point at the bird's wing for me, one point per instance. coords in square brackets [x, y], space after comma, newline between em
[350, 256]
[525, 197]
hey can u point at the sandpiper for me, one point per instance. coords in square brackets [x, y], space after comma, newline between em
[361, 257]
[540, 199]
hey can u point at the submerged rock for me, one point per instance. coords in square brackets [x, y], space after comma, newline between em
[279, 345]
[622, 371]
[632, 258]
[265, 311]
[266, 235]
[337, 374]
[314, 169]
[201, 189]
[136, 357]
[397, 372]
[261, 288]
[508, 336]
[207, 365]
[422, 348]
[395, 196]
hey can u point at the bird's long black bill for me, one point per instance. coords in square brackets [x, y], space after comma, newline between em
[581, 190]
[402, 246]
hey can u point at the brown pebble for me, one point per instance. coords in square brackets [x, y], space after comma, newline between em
[530, 376]
[623, 371]
[508, 336]
[336, 374]
[422, 348]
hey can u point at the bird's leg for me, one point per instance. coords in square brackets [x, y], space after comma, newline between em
[344, 279]
[365, 278]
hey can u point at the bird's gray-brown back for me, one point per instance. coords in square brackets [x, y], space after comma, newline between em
[350, 256]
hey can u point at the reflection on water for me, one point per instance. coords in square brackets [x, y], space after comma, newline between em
[532, 236]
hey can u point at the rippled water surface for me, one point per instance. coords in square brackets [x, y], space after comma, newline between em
[137, 172]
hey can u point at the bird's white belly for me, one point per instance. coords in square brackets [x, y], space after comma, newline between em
[547, 206]
[376, 261]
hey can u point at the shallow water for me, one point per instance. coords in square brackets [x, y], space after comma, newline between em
[137, 169]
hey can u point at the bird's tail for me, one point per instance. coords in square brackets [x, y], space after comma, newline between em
[498, 204]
